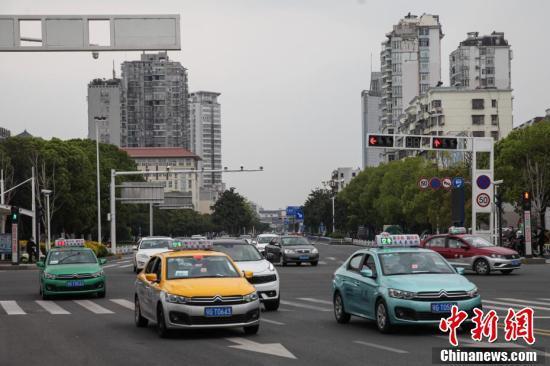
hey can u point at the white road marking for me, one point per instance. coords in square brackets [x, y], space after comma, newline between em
[305, 306]
[51, 307]
[524, 301]
[514, 305]
[126, 265]
[271, 321]
[93, 307]
[310, 299]
[124, 303]
[274, 349]
[379, 346]
[322, 262]
[494, 344]
[110, 265]
[331, 258]
[285, 310]
[11, 308]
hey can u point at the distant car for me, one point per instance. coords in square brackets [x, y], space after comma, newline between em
[148, 247]
[263, 239]
[198, 237]
[291, 249]
[474, 253]
[247, 258]
[246, 237]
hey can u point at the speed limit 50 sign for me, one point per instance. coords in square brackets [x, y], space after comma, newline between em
[483, 200]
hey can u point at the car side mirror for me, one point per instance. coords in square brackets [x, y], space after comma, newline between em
[151, 277]
[460, 270]
[367, 272]
[134, 248]
[248, 274]
[464, 246]
[40, 264]
[102, 261]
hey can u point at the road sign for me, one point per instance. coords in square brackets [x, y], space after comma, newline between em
[435, 183]
[5, 243]
[295, 212]
[483, 200]
[447, 183]
[458, 182]
[483, 181]
[423, 183]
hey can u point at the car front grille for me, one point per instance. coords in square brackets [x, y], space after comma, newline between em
[79, 276]
[411, 314]
[216, 300]
[183, 318]
[302, 251]
[441, 295]
[512, 256]
[262, 279]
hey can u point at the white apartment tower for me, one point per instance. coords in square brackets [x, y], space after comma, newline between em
[410, 63]
[104, 109]
[206, 140]
[481, 62]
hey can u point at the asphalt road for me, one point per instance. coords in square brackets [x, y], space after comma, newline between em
[90, 331]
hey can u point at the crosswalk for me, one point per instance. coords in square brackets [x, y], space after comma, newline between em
[11, 307]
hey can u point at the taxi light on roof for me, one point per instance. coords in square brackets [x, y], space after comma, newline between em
[457, 230]
[69, 243]
[191, 245]
[386, 240]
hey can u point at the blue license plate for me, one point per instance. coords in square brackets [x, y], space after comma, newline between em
[304, 257]
[444, 307]
[218, 311]
[75, 283]
[515, 262]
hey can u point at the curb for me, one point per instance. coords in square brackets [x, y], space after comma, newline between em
[20, 267]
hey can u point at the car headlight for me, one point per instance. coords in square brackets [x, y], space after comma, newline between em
[496, 256]
[49, 276]
[251, 297]
[473, 292]
[400, 294]
[142, 257]
[98, 274]
[176, 299]
[271, 267]
[314, 251]
[289, 251]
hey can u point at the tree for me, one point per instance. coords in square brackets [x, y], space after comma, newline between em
[232, 213]
[318, 210]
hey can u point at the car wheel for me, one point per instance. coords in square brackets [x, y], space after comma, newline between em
[272, 305]
[44, 296]
[339, 311]
[314, 263]
[251, 330]
[101, 294]
[282, 261]
[135, 269]
[162, 330]
[138, 318]
[481, 266]
[382, 317]
[506, 271]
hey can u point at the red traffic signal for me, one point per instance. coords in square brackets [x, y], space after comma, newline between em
[448, 143]
[526, 200]
[380, 141]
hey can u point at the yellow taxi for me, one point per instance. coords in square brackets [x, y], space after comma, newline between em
[193, 286]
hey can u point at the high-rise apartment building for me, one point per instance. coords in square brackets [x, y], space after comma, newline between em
[104, 109]
[481, 62]
[410, 65]
[154, 107]
[370, 115]
[206, 140]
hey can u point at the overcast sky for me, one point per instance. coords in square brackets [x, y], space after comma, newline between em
[290, 73]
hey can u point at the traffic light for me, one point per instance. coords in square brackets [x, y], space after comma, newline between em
[14, 214]
[526, 200]
[447, 143]
[380, 141]
[412, 142]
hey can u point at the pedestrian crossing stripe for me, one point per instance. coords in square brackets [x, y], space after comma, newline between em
[11, 307]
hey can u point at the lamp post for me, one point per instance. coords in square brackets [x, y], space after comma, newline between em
[97, 119]
[47, 193]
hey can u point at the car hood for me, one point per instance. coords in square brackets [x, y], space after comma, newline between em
[59, 269]
[150, 252]
[496, 250]
[429, 282]
[254, 266]
[207, 287]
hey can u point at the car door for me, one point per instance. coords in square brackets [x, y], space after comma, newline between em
[154, 287]
[437, 244]
[274, 247]
[351, 284]
[459, 252]
[368, 288]
[145, 289]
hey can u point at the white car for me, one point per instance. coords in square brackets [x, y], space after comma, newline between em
[247, 258]
[148, 247]
[263, 239]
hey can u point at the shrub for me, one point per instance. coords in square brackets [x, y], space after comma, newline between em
[99, 249]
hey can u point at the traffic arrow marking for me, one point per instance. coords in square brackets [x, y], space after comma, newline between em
[274, 349]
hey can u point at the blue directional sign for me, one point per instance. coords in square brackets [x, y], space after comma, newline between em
[295, 212]
[435, 183]
[458, 182]
[483, 181]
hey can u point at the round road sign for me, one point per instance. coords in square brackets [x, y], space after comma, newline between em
[483, 181]
[483, 200]
[458, 182]
[423, 183]
[447, 183]
[435, 183]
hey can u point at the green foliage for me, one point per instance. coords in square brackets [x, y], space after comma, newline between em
[318, 209]
[232, 213]
[99, 249]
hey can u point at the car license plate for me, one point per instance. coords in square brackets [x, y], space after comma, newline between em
[444, 307]
[515, 262]
[303, 257]
[218, 311]
[75, 283]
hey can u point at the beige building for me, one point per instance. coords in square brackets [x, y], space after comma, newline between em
[454, 111]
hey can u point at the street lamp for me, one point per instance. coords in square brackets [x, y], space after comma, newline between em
[97, 119]
[47, 192]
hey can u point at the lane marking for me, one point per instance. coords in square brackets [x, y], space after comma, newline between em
[51, 307]
[285, 310]
[271, 321]
[524, 301]
[93, 307]
[11, 308]
[124, 303]
[331, 258]
[126, 265]
[322, 262]
[305, 306]
[110, 265]
[516, 305]
[310, 299]
[379, 346]
[274, 349]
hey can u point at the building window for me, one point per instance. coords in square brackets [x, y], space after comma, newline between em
[423, 31]
[494, 119]
[436, 103]
[493, 103]
[391, 157]
[424, 88]
[424, 66]
[494, 135]
[490, 70]
[477, 104]
[478, 133]
[478, 119]
[424, 42]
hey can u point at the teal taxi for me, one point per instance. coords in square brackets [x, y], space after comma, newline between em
[69, 269]
[395, 283]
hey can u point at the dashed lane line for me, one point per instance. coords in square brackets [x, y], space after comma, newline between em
[524, 301]
[11, 307]
[305, 306]
[310, 299]
[379, 346]
[271, 321]
[126, 265]
[515, 305]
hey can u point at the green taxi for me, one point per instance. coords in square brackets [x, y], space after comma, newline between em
[69, 269]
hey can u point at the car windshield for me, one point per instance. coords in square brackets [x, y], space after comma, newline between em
[413, 263]
[72, 257]
[155, 244]
[239, 252]
[199, 266]
[294, 241]
[265, 239]
[477, 242]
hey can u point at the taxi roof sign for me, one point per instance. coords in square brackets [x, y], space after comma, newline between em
[62, 242]
[457, 230]
[385, 240]
[191, 244]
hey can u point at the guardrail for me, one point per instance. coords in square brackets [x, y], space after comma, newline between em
[343, 241]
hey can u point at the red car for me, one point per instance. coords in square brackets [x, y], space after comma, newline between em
[473, 252]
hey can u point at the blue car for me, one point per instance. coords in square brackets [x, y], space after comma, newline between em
[396, 285]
